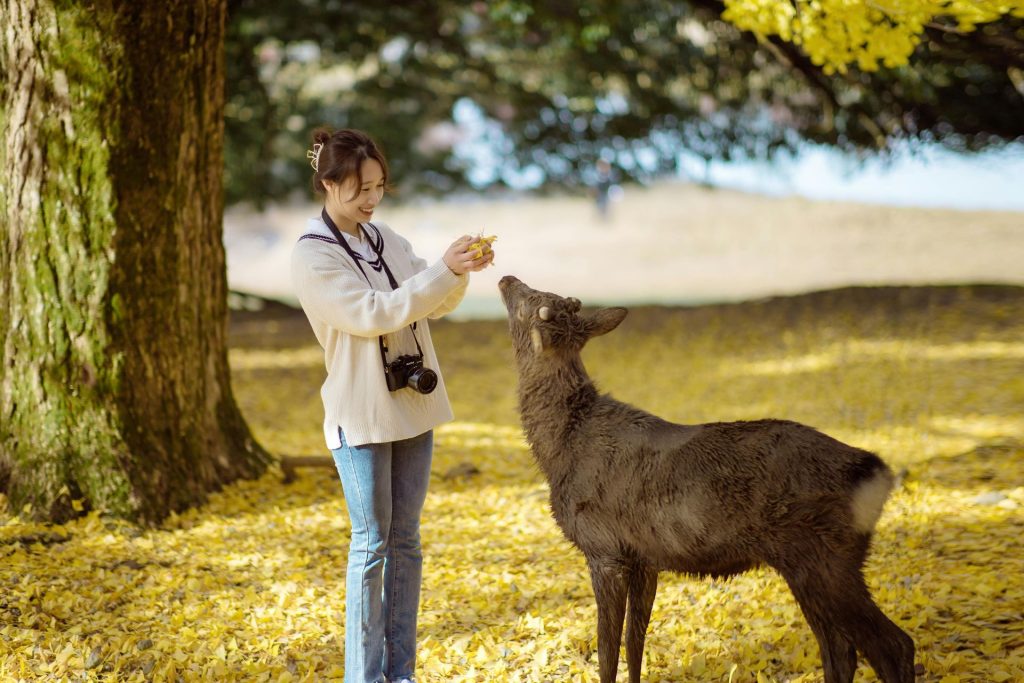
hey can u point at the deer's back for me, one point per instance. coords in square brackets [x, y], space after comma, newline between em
[699, 498]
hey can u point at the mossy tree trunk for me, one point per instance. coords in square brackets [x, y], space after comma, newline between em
[115, 385]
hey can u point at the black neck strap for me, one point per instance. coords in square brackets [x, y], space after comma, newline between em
[379, 250]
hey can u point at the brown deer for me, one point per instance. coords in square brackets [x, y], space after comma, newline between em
[639, 495]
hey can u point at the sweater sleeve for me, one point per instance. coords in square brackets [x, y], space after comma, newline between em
[332, 289]
[450, 302]
[418, 264]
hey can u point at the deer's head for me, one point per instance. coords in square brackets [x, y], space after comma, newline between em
[545, 324]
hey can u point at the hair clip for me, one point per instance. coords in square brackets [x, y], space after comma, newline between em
[314, 156]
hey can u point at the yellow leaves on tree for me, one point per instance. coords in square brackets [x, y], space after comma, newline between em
[869, 33]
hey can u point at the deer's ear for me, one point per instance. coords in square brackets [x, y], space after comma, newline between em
[604, 321]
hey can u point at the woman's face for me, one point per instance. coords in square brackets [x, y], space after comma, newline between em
[354, 203]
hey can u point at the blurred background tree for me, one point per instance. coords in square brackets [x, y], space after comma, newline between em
[546, 88]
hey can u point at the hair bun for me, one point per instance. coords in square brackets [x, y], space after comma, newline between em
[321, 136]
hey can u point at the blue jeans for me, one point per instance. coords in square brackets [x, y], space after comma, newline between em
[385, 486]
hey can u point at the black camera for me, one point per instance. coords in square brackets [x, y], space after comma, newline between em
[408, 371]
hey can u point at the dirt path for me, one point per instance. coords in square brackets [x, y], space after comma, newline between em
[670, 244]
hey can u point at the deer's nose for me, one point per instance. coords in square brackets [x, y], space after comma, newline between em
[507, 281]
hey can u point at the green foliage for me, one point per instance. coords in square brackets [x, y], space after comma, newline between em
[564, 84]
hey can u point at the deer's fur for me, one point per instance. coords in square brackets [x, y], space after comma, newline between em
[639, 495]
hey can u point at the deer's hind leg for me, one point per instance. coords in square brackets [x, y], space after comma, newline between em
[643, 585]
[829, 585]
[885, 645]
[838, 654]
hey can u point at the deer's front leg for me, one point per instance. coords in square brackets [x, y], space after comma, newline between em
[643, 584]
[610, 580]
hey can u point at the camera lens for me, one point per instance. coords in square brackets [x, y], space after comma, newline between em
[423, 380]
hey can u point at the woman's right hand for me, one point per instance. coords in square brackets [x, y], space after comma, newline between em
[459, 258]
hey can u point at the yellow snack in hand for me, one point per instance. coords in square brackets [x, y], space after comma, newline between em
[482, 245]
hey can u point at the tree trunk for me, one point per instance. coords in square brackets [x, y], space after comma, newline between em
[113, 315]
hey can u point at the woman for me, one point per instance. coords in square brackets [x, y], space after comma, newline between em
[367, 297]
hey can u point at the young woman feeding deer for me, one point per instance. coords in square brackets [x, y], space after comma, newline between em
[639, 495]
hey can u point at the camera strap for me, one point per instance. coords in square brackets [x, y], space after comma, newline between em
[378, 248]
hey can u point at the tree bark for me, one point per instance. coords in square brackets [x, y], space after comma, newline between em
[113, 315]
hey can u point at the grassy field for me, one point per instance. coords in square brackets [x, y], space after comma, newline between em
[668, 244]
[250, 587]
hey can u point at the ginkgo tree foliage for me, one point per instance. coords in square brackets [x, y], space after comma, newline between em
[868, 33]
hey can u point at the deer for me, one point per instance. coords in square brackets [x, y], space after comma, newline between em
[639, 495]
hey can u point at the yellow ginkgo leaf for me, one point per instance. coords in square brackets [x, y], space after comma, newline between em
[482, 245]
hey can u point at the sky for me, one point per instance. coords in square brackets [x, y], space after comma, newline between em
[931, 178]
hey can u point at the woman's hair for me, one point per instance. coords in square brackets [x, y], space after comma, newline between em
[341, 156]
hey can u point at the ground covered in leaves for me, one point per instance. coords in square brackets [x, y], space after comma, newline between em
[250, 587]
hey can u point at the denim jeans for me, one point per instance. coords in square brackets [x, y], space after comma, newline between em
[385, 486]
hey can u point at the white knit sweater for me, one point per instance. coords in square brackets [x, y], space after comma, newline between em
[347, 315]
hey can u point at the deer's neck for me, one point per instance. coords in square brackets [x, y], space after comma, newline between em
[555, 399]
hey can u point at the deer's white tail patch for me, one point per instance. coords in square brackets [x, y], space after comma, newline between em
[868, 499]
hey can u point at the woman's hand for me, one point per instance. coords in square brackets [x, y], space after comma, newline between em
[460, 258]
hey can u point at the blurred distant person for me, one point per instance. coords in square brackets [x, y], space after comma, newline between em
[604, 188]
[368, 297]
